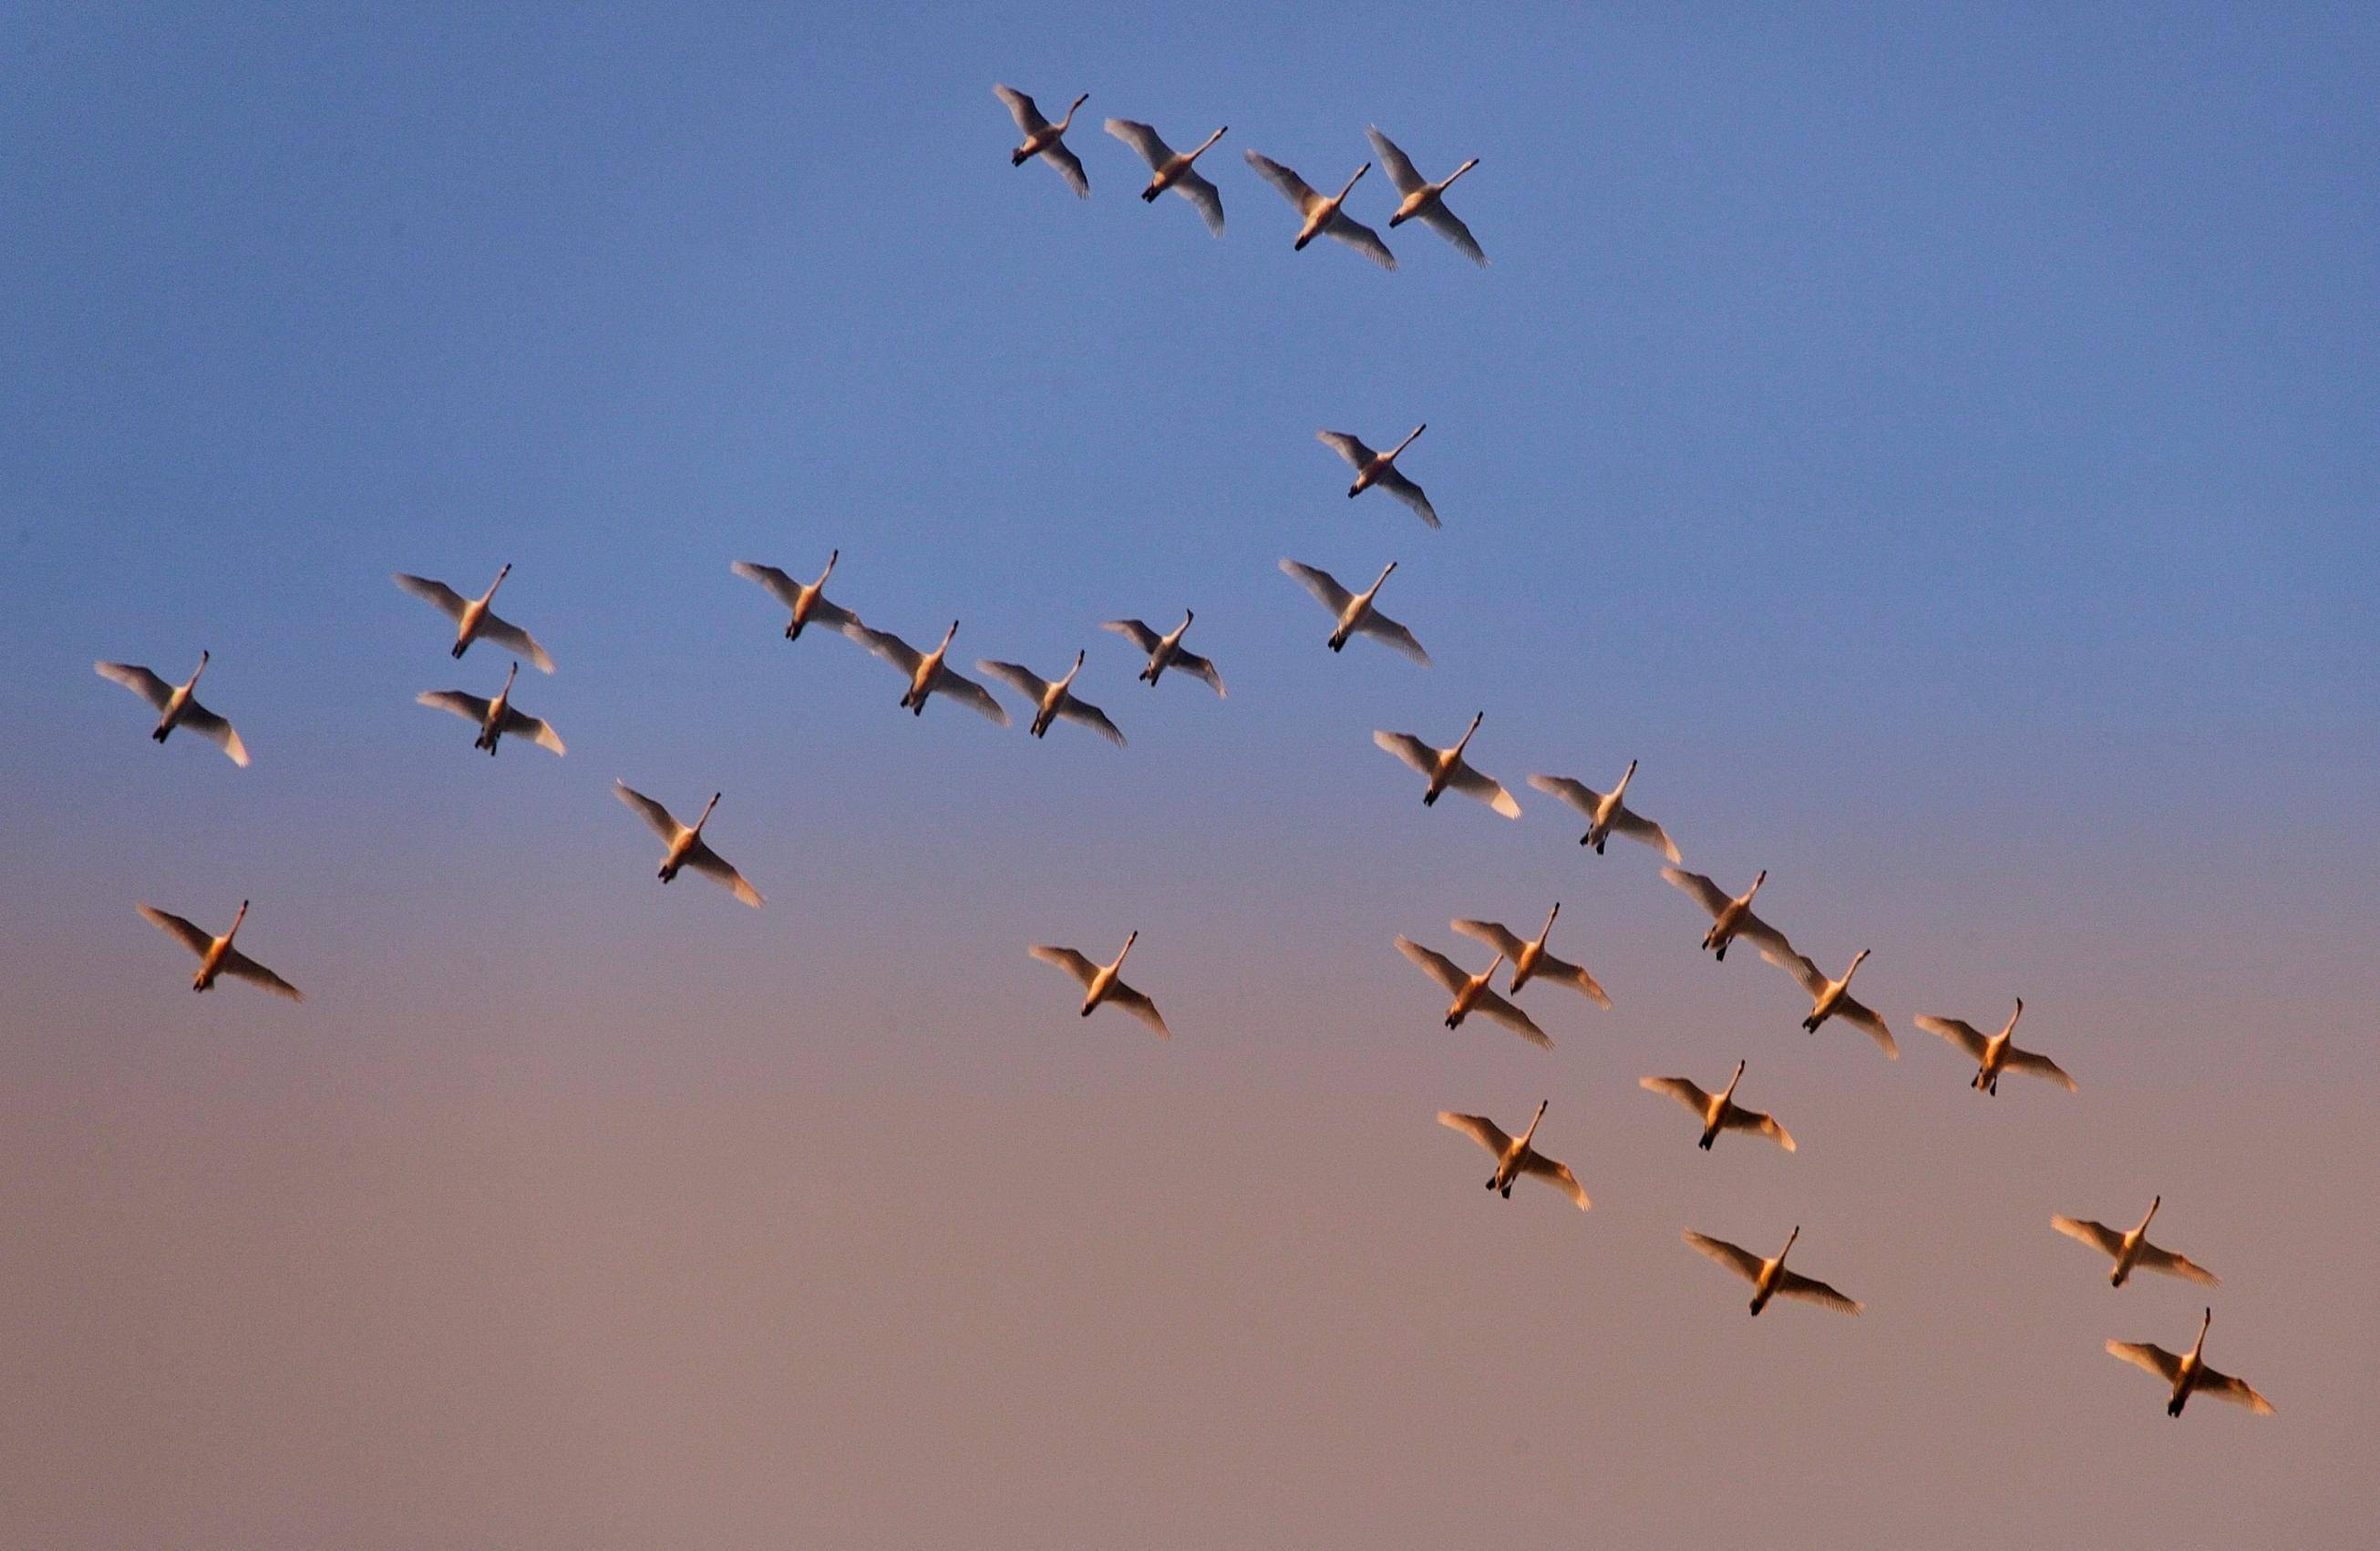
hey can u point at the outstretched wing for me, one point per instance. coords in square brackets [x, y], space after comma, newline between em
[536, 729]
[1446, 224]
[1569, 974]
[1799, 966]
[1395, 162]
[1480, 1129]
[1753, 1119]
[2040, 1066]
[1958, 1031]
[1486, 788]
[437, 594]
[1694, 885]
[1763, 936]
[1070, 167]
[1021, 108]
[513, 639]
[1144, 139]
[1018, 677]
[1793, 1284]
[1495, 934]
[2223, 1387]
[1643, 831]
[2098, 1235]
[1586, 799]
[972, 696]
[1381, 627]
[1494, 1006]
[712, 865]
[469, 707]
[1140, 1006]
[2152, 1258]
[1074, 964]
[1404, 489]
[1556, 1175]
[1197, 667]
[1866, 1018]
[2148, 1357]
[146, 685]
[1437, 965]
[239, 964]
[1322, 584]
[1360, 238]
[656, 816]
[1410, 749]
[215, 730]
[1741, 1261]
[1090, 716]
[1678, 1088]
[1194, 187]
[1132, 630]
[783, 588]
[1352, 448]
[188, 933]
[1293, 188]
[886, 645]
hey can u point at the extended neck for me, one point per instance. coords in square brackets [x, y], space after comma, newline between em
[706, 812]
[1532, 1123]
[2200, 1345]
[1756, 885]
[1731, 1082]
[2154, 1204]
[1857, 959]
[236, 920]
[1549, 928]
[203, 657]
[1072, 671]
[1122, 954]
[1383, 575]
[1069, 119]
[1625, 777]
[1205, 143]
[501, 574]
[1352, 182]
[1457, 173]
[1789, 1243]
[1464, 741]
[833, 555]
[2012, 1018]
[1410, 437]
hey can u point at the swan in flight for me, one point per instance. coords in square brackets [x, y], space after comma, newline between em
[1607, 815]
[1718, 1111]
[1445, 768]
[1054, 699]
[2132, 1250]
[176, 705]
[496, 717]
[1103, 983]
[1424, 201]
[474, 620]
[1530, 960]
[808, 600]
[2189, 1374]
[1323, 217]
[1768, 1278]
[1380, 468]
[927, 672]
[1352, 613]
[1730, 915]
[1515, 1156]
[216, 955]
[1044, 139]
[1994, 1054]
[1165, 652]
[1174, 169]
[1832, 999]
[686, 847]
[1473, 993]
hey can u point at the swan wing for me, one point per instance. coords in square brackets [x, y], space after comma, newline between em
[833, 617]
[972, 696]
[1381, 628]
[215, 730]
[1193, 186]
[1070, 167]
[1435, 965]
[712, 865]
[469, 707]
[1410, 749]
[437, 594]
[1395, 162]
[1765, 938]
[1322, 584]
[1362, 238]
[1480, 1129]
[656, 817]
[1643, 831]
[1486, 788]
[1866, 1018]
[1958, 1031]
[1738, 1119]
[1018, 677]
[513, 639]
[1142, 139]
[1199, 668]
[886, 645]
[2223, 1387]
[519, 724]
[2098, 1235]
[1569, 974]
[1022, 109]
[1352, 448]
[2040, 1066]
[1404, 489]
[2148, 1357]
[1736, 1258]
[1446, 224]
[1293, 188]
[1556, 1175]
[1495, 934]
[191, 936]
[1489, 1004]
[1686, 1093]
[1090, 716]
[2152, 1258]
[1132, 630]
[236, 963]
[783, 588]
[1586, 799]
[1074, 964]
[1694, 885]
[1799, 966]
[139, 679]
[1140, 1006]
[1809, 1289]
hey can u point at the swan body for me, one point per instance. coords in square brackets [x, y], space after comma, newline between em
[1380, 468]
[1770, 1278]
[683, 845]
[1103, 983]
[1515, 1156]
[1165, 652]
[806, 600]
[1320, 216]
[1832, 999]
[1730, 915]
[474, 620]
[1720, 1111]
[1529, 959]
[1424, 201]
[1053, 699]
[176, 705]
[1473, 993]
[2131, 1251]
[1044, 139]
[216, 955]
[1607, 814]
[1353, 614]
[1446, 769]
[1994, 1054]
[2187, 1374]
[496, 717]
[1174, 169]
[928, 674]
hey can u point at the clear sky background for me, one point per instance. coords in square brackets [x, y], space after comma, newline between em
[1938, 446]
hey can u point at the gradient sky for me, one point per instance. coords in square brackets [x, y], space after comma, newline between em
[1938, 446]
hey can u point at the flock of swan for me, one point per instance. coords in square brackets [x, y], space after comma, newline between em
[927, 675]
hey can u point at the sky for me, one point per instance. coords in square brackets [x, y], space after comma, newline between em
[1935, 444]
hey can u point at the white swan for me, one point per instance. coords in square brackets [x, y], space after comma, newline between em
[808, 600]
[1380, 468]
[1473, 993]
[1165, 652]
[1768, 1278]
[474, 620]
[1174, 169]
[216, 955]
[1607, 815]
[176, 706]
[1102, 983]
[1053, 699]
[1425, 200]
[684, 846]
[2132, 1250]
[1730, 915]
[496, 717]
[1445, 768]
[1832, 999]
[2189, 1374]
[1323, 217]
[1044, 139]
[927, 672]
[1718, 1111]
[1515, 1156]
[1351, 613]
[1530, 960]
[1994, 1054]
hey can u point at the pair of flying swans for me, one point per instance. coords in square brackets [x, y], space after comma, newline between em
[1996, 1053]
[1473, 993]
[176, 705]
[1607, 813]
[1731, 917]
[1103, 983]
[496, 717]
[1380, 468]
[1420, 200]
[1446, 769]
[474, 620]
[1165, 652]
[683, 846]
[1770, 1278]
[1516, 1156]
[216, 955]
[1529, 959]
[1353, 614]
[1718, 1111]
